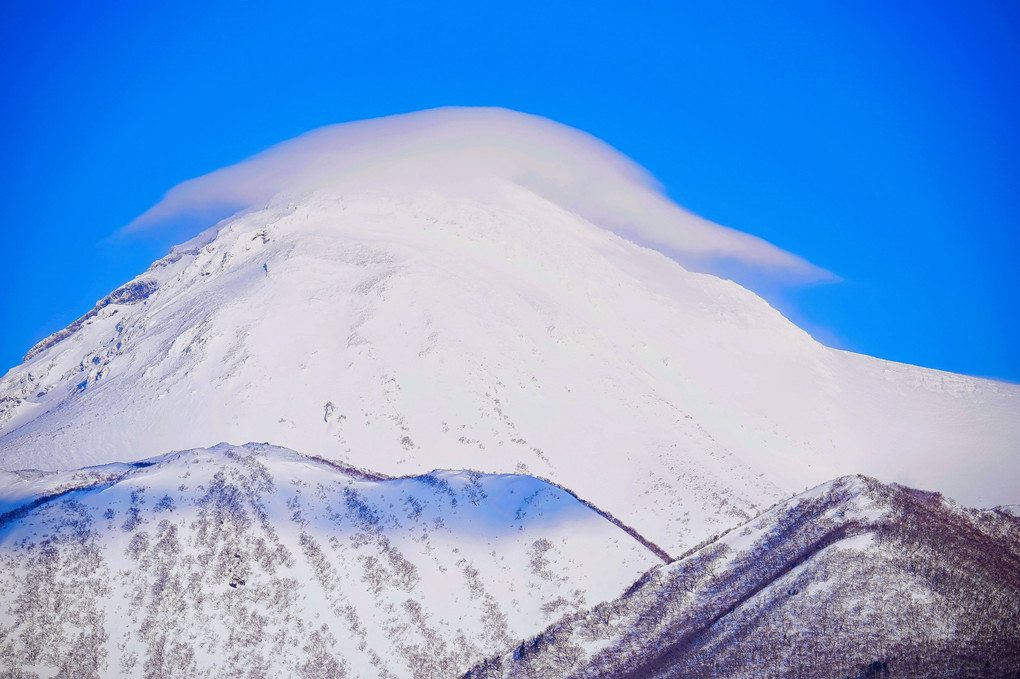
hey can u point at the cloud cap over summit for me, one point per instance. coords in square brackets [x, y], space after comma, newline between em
[459, 149]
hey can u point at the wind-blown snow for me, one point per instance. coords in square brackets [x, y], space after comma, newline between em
[460, 150]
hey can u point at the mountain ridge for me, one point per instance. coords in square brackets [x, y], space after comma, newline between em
[15, 504]
[853, 578]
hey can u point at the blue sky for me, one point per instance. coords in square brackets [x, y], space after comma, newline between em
[876, 139]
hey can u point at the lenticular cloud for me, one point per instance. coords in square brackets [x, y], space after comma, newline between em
[460, 149]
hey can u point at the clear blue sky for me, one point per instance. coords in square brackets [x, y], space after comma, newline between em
[877, 139]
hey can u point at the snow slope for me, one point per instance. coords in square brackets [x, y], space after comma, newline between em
[404, 324]
[260, 561]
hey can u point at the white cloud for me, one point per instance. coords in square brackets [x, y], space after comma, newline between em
[455, 147]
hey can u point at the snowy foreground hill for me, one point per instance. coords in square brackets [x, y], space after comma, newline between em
[466, 290]
[256, 561]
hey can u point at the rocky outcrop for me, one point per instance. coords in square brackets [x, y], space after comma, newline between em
[132, 293]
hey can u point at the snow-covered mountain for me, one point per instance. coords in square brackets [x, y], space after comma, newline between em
[404, 323]
[254, 560]
[479, 290]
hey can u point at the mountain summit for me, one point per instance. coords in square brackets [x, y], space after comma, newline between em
[460, 296]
